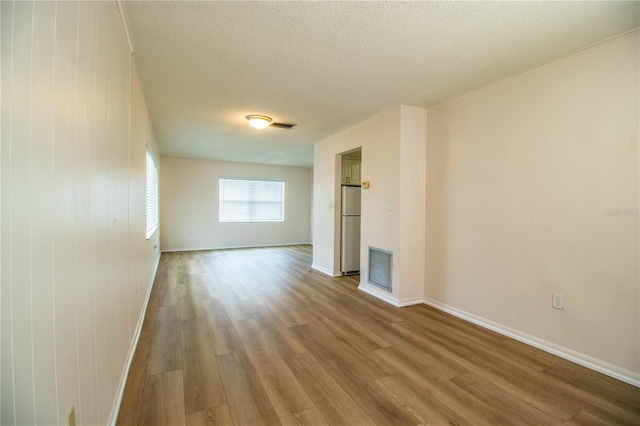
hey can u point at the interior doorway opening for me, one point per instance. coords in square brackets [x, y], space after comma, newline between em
[350, 211]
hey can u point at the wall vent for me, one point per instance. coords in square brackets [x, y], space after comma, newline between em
[380, 267]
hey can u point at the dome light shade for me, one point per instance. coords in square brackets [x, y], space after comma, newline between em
[259, 121]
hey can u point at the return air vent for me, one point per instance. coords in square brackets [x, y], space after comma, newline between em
[380, 267]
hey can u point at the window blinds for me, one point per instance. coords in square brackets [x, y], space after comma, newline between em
[246, 200]
[152, 195]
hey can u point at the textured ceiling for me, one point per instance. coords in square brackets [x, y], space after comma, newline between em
[328, 65]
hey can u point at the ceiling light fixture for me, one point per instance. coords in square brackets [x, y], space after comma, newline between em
[259, 121]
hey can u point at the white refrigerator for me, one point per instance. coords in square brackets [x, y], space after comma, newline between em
[350, 230]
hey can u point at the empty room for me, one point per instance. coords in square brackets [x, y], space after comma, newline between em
[320, 212]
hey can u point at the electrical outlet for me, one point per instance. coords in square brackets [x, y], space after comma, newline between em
[556, 301]
[71, 417]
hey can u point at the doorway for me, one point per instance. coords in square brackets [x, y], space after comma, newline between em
[350, 203]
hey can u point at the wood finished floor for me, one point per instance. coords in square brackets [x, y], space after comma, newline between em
[254, 337]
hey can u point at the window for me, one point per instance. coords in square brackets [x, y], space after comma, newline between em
[152, 195]
[245, 200]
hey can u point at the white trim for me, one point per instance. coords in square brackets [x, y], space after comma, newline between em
[387, 297]
[579, 358]
[409, 302]
[568, 354]
[233, 247]
[125, 24]
[324, 270]
[132, 350]
[375, 292]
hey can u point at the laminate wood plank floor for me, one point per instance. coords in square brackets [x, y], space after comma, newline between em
[255, 337]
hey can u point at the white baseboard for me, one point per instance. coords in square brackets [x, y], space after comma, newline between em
[132, 350]
[172, 250]
[409, 302]
[324, 270]
[382, 295]
[388, 297]
[568, 354]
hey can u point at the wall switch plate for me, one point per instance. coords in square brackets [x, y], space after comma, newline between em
[556, 301]
[71, 417]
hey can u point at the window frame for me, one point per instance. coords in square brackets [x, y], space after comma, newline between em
[255, 180]
[151, 178]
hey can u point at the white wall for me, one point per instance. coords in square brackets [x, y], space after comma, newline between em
[189, 206]
[520, 176]
[379, 139]
[412, 204]
[392, 214]
[76, 266]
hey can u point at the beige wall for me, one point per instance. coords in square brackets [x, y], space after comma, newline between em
[189, 206]
[76, 266]
[392, 216]
[520, 176]
[411, 204]
[379, 139]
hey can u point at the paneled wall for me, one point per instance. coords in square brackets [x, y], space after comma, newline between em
[532, 189]
[76, 266]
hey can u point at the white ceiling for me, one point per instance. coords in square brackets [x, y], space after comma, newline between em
[328, 65]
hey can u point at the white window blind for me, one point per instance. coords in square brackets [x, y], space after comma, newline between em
[246, 200]
[152, 195]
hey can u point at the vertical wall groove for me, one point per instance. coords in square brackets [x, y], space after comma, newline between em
[75, 126]
[33, 13]
[53, 305]
[8, 375]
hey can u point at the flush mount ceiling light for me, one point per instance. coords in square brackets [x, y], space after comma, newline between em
[262, 122]
[259, 121]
